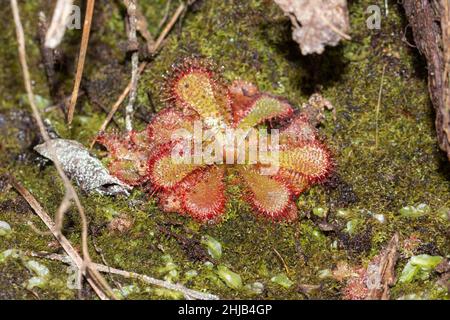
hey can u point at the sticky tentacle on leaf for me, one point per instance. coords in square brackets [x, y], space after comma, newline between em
[312, 160]
[194, 85]
[162, 127]
[271, 198]
[204, 195]
[264, 107]
[164, 172]
[127, 156]
[298, 131]
[296, 181]
[243, 95]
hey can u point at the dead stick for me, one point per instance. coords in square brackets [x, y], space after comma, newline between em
[81, 58]
[132, 38]
[168, 27]
[445, 25]
[48, 56]
[282, 261]
[188, 293]
[166, 14]
[171, 286]
[377, 110]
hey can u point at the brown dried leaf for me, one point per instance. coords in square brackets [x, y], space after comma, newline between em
[317, 23]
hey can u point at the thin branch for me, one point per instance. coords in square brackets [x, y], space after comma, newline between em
[36, 229]
[445, 25]
[57, 27]
[48, 57]
[168, 27]
[132, 39]
[188, 293]
[166, 15]
[142, 26]
[282, 261]
[377, 110]
[81, 58]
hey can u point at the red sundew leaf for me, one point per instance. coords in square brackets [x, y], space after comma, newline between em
[204, 199]
[312, 160]
[264, 107]
[127, 159]
[296, 182]
[271, 198]
[140, 139]
[166, 123]
[194, 85]
[115, 144]
[128, 171]
[298, 131]
[164, 172]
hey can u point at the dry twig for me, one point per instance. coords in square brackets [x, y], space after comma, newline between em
[49, 57]
[132, 39]
[430, 23]
[166, 15]
[142, 26]
[116, 105]
[81, 58]
[282, 261]
[168, 27]
[445, 24]
[188, 293]
[377, 110]
[57, 27]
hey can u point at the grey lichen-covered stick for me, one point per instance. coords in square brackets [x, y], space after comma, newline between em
[80, 165]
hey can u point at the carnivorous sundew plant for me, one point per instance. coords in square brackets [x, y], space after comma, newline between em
[211, 130]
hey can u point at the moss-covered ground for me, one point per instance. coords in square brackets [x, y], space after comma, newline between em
[251, 40]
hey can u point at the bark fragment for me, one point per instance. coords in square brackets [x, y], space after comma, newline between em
[381, 275]
[430, 23]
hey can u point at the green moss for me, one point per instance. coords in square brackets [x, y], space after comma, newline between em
[251, 40]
